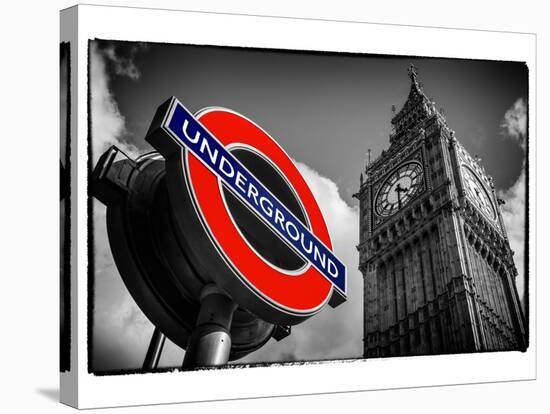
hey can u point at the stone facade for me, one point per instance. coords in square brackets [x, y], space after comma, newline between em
[438, 269]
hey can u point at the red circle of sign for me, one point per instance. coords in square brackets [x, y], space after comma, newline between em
[304, 291]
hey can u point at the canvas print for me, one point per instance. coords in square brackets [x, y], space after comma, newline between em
[250, 207]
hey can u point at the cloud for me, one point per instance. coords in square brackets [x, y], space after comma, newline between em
[124, 65]
[514, 126]
[513, 213]
[121, 331]
[333, 333]
[514, 123]
[108, 124]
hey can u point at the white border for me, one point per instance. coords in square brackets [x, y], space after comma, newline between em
[234, 30]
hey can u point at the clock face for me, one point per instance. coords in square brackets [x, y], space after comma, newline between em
[477, 193]
[399, 188]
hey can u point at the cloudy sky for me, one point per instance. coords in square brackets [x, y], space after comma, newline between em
[326, 110]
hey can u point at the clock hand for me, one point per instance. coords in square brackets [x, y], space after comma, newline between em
[399, 190]
[481, 200]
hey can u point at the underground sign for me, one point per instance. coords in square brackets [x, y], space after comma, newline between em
[257, 229]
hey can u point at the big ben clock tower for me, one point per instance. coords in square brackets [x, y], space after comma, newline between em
[434, 254]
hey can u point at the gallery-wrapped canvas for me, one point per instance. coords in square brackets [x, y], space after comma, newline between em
[258, 206]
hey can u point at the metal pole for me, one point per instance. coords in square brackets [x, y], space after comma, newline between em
[210, 341]
[154, 351]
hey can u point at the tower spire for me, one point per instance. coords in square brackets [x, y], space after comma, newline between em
[415, 109]
[413, 74]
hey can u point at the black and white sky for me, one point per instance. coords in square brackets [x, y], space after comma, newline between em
[326, 110]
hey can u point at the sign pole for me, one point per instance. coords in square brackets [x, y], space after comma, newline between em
[210, 341]
[154, 351]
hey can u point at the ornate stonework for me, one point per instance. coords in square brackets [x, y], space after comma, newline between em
[437, 266]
